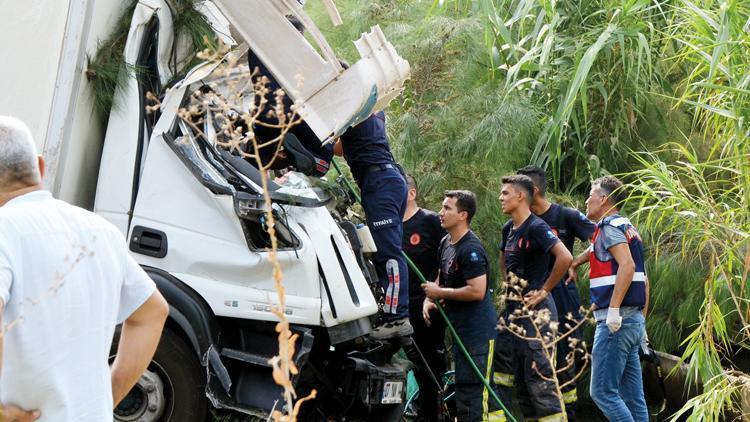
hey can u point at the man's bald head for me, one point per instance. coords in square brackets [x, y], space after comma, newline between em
[19, 161]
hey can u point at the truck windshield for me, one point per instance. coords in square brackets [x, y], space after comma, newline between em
[226, 173]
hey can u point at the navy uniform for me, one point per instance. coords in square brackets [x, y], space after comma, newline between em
[568, 224]
[526, 252]
[384, 191]
[422, 235]
[475, 325]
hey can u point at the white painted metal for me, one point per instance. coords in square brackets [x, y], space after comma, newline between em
[331, 99]
[66, 90]
[114, 190]
[28, 75]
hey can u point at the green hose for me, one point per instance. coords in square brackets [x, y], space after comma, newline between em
[454, 334]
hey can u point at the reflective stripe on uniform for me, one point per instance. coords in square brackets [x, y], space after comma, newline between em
[485, 392]
[570, 397]
[506, 380]
[609, 280]
[497, 416]
[553, 418]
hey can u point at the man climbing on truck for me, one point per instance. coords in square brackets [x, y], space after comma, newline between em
[383, 188]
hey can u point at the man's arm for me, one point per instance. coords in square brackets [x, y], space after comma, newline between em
[625, 271]
[473, 291]
[139, 337]
[648, 297]
[501, 264]
[563, 258]
[577, 262]
[428, 304]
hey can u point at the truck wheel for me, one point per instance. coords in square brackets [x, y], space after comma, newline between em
[171, 390]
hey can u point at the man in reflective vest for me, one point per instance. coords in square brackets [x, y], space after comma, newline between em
[619, 293]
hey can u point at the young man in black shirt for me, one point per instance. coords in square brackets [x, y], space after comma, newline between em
[568, 224]
[464, 291]
[528, 243]
[422, 235]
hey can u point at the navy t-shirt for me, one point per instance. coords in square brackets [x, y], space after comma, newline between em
[526, 250]
[422, 235]
[467, 259]
[366, 144]
[568, 224]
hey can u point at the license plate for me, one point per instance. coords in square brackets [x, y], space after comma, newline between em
[392, 392]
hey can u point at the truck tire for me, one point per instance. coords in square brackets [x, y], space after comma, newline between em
[171, 390]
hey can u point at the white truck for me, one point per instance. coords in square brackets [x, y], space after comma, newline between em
[193, 212]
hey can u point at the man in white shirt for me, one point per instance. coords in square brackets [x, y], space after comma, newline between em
[66, 281]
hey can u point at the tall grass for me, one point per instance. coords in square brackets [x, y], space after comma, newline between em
[696, 192]
[454, 127]
[577, 86]
[591, 65]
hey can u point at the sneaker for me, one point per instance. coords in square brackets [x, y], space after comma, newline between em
[390, 329]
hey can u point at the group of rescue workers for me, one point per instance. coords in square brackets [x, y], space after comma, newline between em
[537, 244]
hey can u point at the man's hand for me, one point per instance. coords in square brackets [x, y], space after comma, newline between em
[572, 274]
[432, 290]
[14, 414]
[427, 306]
[614, 320]
[535, 297]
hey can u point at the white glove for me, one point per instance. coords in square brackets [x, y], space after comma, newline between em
[614, 320]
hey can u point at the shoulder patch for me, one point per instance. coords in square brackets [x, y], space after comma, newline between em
[619, 221]
[550, 234]
[474, 256]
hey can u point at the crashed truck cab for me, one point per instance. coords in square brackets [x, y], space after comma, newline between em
[193, 215]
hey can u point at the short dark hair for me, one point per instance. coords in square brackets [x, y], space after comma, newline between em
[466, 201]
[522, 182]
[536, 174]
[412, 184]
[612, 187]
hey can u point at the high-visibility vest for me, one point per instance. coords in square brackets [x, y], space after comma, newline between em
[602, 274]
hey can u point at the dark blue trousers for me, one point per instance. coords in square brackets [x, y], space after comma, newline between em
[384, 201]
[568, 304]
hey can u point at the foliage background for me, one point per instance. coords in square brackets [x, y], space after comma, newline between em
[655, 91]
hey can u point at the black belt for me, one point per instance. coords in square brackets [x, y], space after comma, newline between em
[378, 167]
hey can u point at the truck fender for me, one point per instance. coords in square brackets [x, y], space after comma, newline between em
[187, 309]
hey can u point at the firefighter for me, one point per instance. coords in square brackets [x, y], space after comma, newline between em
[383, 188]
[422, 236]
[463, 288]
[568, 224]
[527, 246]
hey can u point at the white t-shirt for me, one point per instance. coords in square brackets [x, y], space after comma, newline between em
[66, 279]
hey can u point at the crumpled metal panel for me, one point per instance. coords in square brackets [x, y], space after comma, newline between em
[330, 99]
